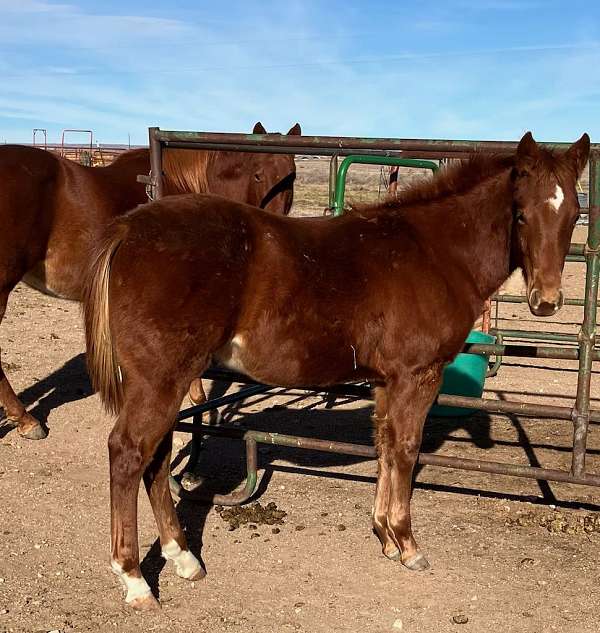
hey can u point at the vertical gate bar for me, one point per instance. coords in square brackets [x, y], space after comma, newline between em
[195, 444]
[587, 334]
[393, 181]
[333, 170]
[156, 163]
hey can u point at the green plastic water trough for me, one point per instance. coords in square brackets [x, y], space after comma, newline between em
[465, 376]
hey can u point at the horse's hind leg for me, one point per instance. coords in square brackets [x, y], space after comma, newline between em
[139, 430]
[172, 539]
[408, 402]
[139, 446]
[15, 412]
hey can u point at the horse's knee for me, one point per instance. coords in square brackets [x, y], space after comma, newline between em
[406, 452]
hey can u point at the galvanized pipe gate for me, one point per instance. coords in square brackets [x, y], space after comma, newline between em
[585, 353]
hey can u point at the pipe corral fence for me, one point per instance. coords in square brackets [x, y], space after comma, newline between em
[380, 151]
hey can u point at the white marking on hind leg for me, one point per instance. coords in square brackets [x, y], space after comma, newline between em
[134, 586]
[186, 564]
[557, 199]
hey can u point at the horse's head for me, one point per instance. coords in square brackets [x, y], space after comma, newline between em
[262, 179]
[545, 209]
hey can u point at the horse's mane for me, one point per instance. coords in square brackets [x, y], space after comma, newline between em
[187, 170]
[454, 179]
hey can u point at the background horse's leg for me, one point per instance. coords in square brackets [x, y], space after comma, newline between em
[27, 425]
[173, 542]
[408, 404]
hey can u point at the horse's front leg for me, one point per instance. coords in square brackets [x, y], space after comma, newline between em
[382, 490]
[399, 440]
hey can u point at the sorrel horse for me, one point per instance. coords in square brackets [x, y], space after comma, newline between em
[53, 210]
[387, 296]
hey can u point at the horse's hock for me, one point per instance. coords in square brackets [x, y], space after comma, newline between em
[580, 347]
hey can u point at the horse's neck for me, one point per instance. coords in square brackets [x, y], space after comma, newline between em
[484, 216]
[470, 234]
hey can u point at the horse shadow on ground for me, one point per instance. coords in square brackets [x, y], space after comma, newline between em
[68, 383]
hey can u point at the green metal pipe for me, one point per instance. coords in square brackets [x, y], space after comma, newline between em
[535, 335]
[340, 184]
[367, 452]
[529, 351]
[523, 299]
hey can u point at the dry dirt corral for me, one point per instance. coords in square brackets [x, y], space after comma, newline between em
[507, 554]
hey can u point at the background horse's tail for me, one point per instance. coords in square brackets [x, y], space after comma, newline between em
[102, 363]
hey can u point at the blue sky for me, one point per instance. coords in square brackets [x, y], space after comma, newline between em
[478, 69]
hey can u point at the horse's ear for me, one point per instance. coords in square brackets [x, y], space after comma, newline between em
[259, 128]
[295, 130]
[527, 149]
[578, 153]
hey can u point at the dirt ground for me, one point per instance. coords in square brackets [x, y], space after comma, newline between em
[507, 554]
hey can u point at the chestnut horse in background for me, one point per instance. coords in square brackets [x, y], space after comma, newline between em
[388, 296]
[53, 211]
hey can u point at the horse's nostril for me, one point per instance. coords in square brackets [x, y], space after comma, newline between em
[535, 298]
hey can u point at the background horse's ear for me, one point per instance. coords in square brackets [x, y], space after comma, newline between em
[258, 128]
[296, 130]
[578, 153]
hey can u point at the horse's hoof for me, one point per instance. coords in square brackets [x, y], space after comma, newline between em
[30, 428]
[418, 562]
[147, 602]
[393, 554]
[199, 575]
[190, 482]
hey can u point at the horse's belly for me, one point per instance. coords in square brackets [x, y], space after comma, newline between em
[287, 363]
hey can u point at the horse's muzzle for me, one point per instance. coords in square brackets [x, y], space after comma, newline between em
[545, 304]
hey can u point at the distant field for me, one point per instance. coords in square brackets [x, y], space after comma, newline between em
[365, 183]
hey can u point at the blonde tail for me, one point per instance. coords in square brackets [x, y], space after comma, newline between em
[102, 363]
